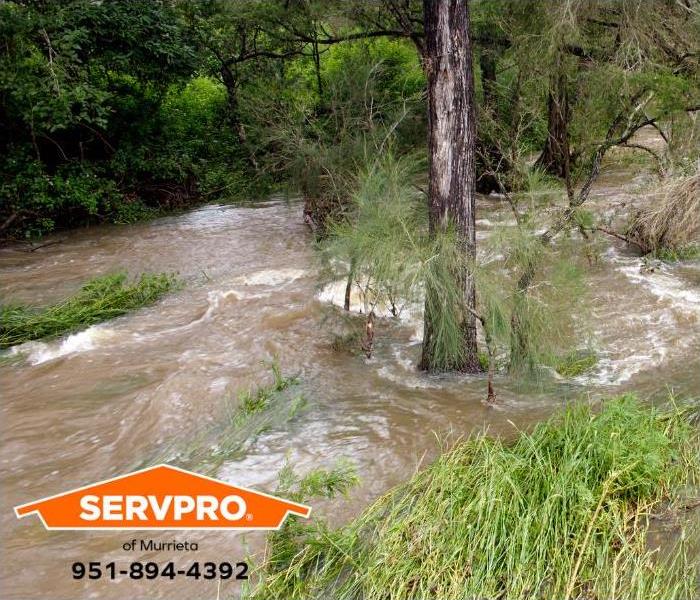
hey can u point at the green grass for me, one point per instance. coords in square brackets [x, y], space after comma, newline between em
[561, 512]
[689, 252]
[575, 363]
[256, 411]
[257, 399]
[98, 300]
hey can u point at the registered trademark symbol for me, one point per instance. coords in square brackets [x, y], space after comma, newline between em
[249, 516]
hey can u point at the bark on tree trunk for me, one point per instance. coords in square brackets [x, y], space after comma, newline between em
[231, 84]
[451, 146]
[556, 156]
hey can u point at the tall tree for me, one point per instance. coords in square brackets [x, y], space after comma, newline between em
[451, 147]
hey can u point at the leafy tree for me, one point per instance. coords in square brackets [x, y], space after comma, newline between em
[78, 79]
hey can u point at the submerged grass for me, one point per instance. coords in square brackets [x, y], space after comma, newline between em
[561, 512]
[575, 363]
[98, 300]
[255, 410]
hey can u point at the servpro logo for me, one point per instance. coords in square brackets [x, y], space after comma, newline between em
[162, 497]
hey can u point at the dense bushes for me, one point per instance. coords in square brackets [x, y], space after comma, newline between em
[115, 111]
[102, 116]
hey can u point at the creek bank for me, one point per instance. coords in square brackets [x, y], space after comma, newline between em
[562, 512]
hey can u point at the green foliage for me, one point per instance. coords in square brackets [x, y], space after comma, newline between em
[193, 109]
[385, 239]
[71, 195]
[443, 268]
[392, 76]
[561, 512]
[483, 361]
[98, 300]
[255, 411]
[387, 226]
[320, 483]
[371, 101]
[102, 117]
[256, 400]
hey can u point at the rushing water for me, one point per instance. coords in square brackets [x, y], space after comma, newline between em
[93, 404]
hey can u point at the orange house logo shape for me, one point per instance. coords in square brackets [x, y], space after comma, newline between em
[162, 497]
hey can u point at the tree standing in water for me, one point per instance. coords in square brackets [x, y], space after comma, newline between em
[451, 191]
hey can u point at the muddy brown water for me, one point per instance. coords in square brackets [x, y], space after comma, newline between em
[90, 406]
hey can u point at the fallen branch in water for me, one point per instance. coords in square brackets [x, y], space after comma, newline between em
[46, 245]
[617, 235]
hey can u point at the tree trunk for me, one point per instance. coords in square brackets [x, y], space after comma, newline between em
[231, 84]
[555, 156]
[489, 156]
[451, 146]
[487, 64]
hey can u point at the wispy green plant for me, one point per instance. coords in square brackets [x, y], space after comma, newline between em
[689, 252]
[561, 512]
[539, 324]
[384, 239]
[385, 232]
[442, 270]
[98, 300]
[257, 399]
[283, 545]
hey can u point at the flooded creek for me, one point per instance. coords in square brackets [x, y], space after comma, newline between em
[94, 404]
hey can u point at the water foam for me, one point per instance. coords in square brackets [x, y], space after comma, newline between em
[83, 341]
[271, 277]
[670, 296]
[662, 282]
[409, 313]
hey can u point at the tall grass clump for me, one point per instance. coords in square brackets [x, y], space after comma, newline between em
[98, 300]
[671, 223]
[561, 512]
